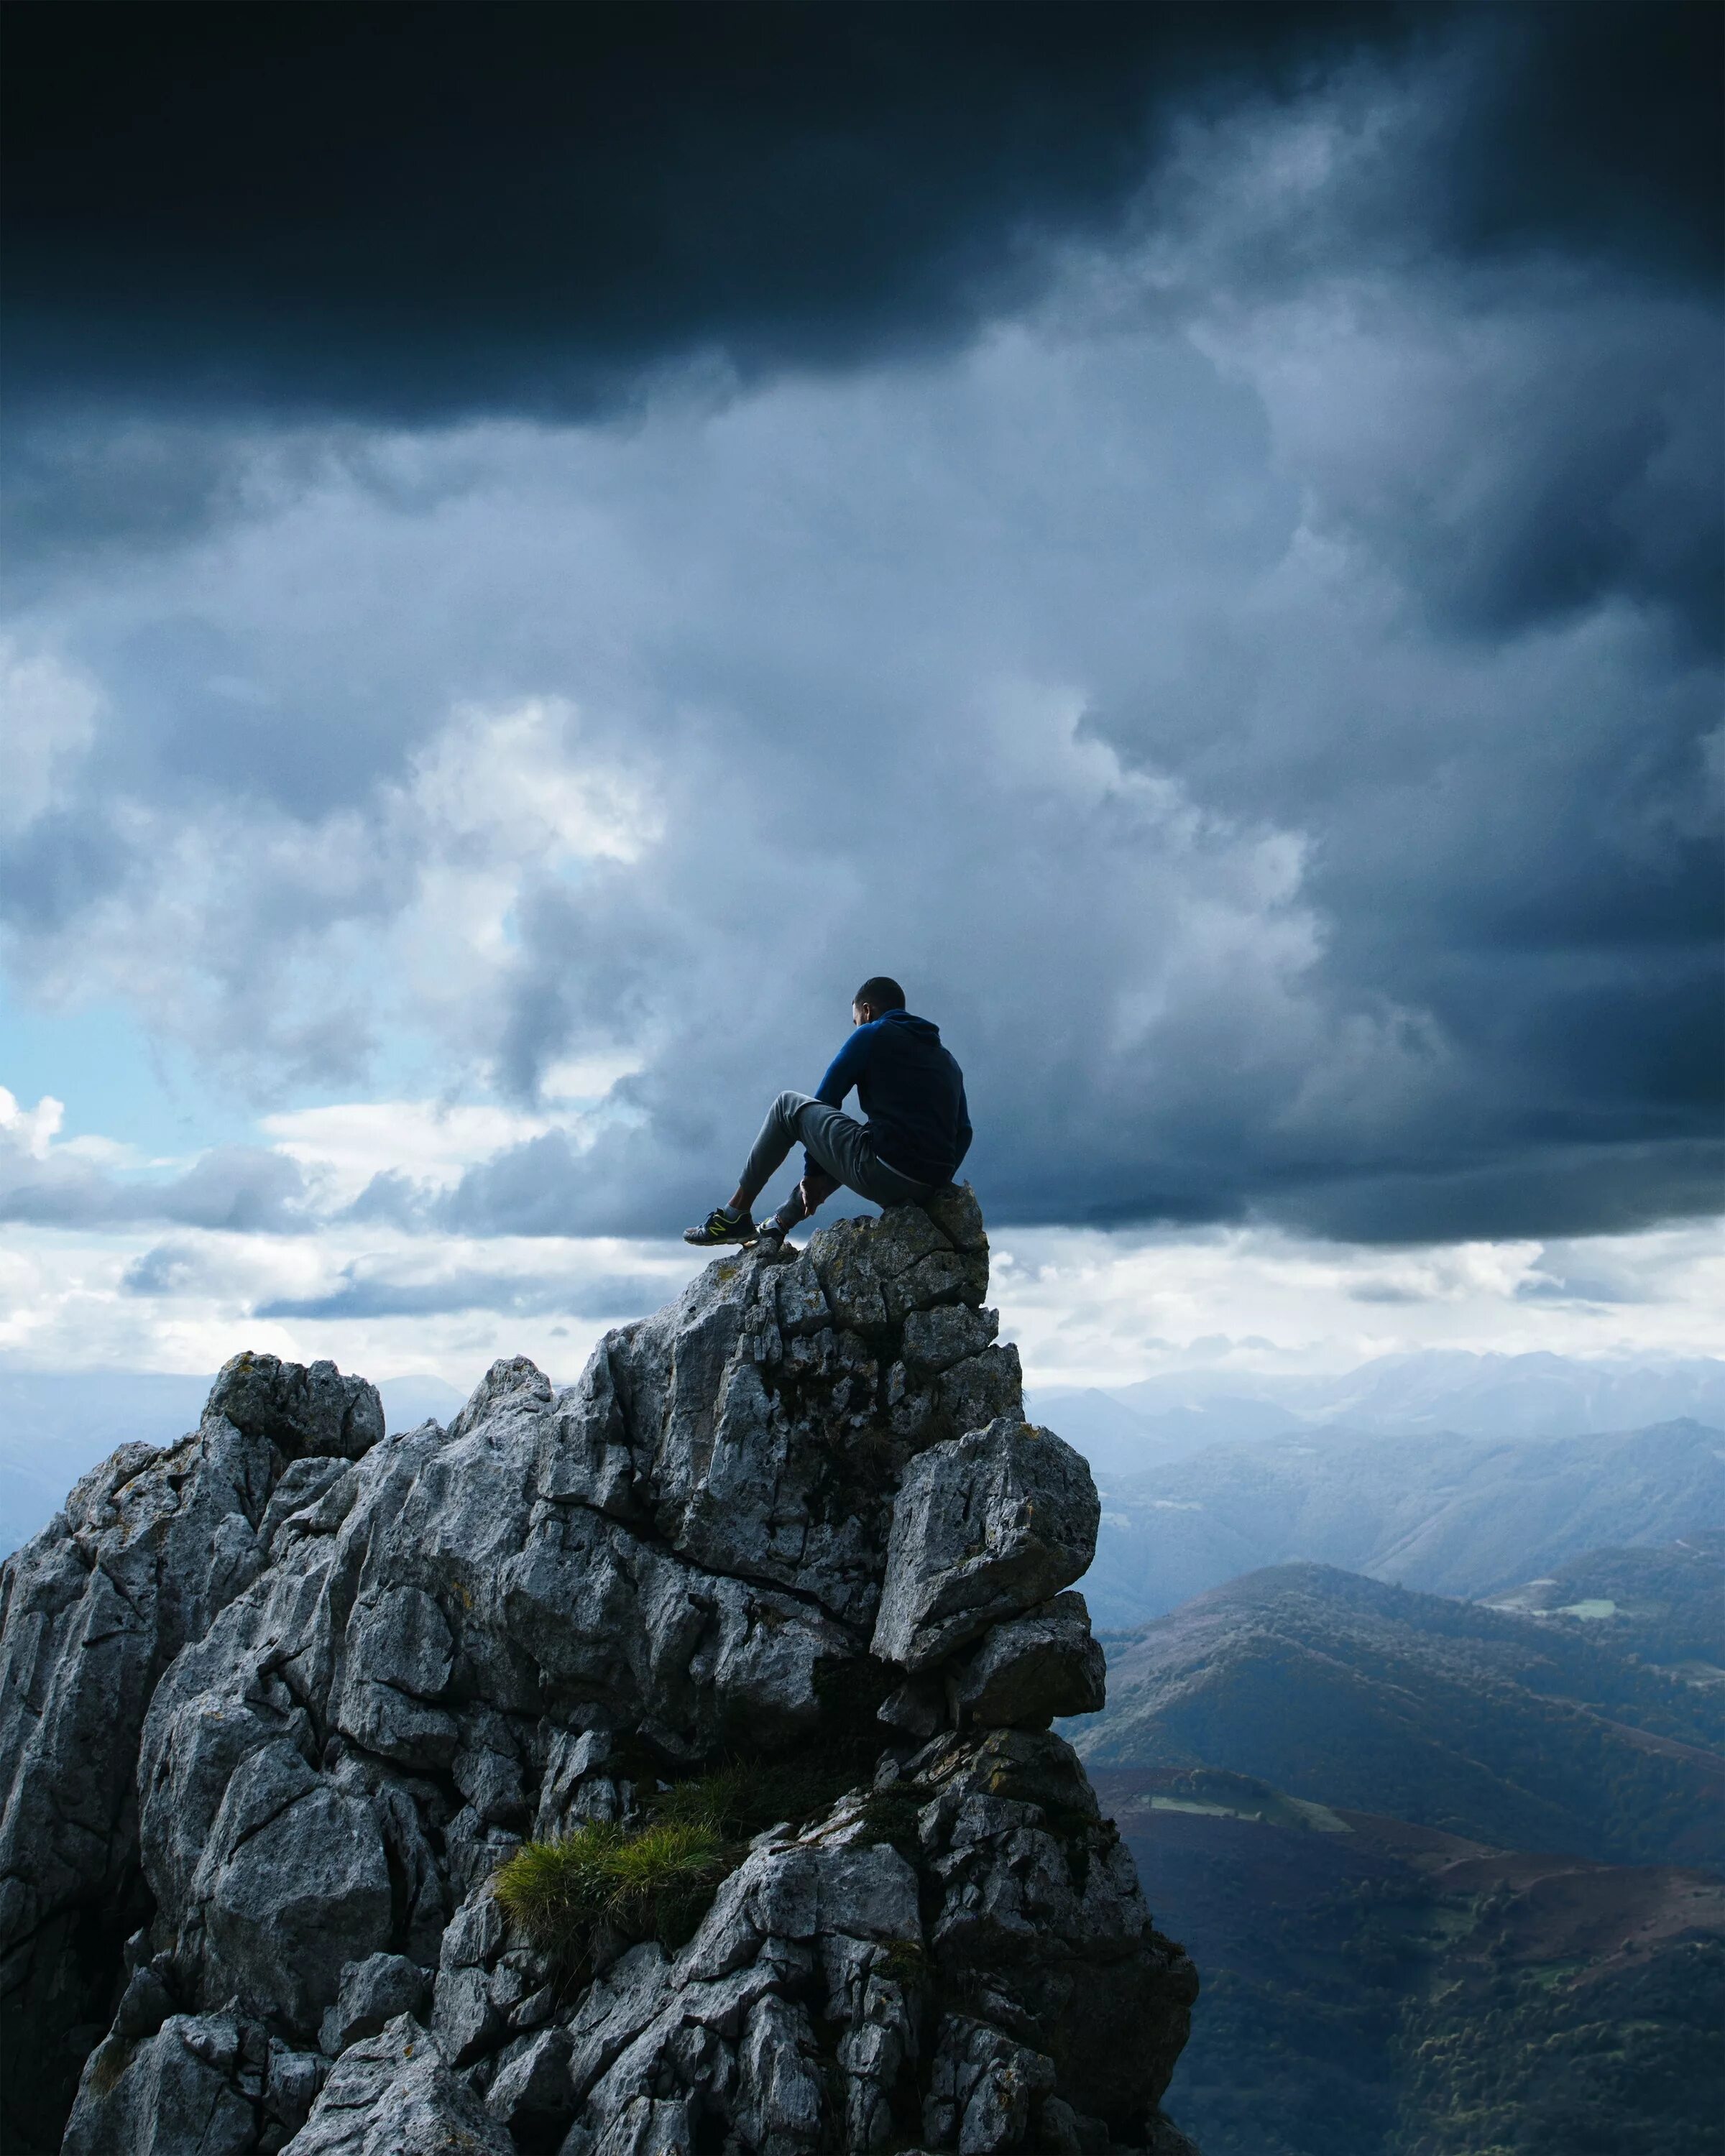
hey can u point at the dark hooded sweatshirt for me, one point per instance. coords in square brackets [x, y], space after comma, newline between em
[910, 1091]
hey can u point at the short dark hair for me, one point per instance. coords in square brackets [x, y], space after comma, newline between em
[882, 991]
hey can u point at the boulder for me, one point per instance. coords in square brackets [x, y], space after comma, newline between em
[370, 1995]
[532, 2080]
[465, 2023]
[934, 1340]
[984, 1527]
[301, 1409]
[959, 1217]
[293, 1888]
[1032, 1668]
[177, 2090]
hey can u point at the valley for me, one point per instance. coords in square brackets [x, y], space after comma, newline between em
[1449, 1872]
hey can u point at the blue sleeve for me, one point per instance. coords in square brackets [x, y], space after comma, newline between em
[963, 1134]
[846, 1067]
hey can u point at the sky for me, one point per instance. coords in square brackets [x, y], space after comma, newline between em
[544, 545]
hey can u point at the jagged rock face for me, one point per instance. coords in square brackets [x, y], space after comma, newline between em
[152, 1546]
[947, 1948]
[354, 1672]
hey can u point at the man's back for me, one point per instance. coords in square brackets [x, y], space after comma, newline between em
[911, 1090]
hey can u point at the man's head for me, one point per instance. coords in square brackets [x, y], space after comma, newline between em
[876, 997]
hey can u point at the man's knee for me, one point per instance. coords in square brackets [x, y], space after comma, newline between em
[787, 1108]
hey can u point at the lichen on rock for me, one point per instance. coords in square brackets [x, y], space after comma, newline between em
[277, 1704]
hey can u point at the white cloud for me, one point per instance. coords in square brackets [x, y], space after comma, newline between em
[130, 1301]
[1093, 1309]
[31, 1131]
[346, 1144]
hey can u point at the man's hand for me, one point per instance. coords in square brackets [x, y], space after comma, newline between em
[813, 1190]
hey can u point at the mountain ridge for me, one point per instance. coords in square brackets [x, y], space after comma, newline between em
[1348, 1690]
[1154, 1421]
[1468, 1517]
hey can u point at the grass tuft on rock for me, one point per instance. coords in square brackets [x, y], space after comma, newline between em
[741, 1797]
[656, 1878]
[651, 1881]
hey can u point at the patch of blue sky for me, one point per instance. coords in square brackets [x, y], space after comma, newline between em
[115, 1081]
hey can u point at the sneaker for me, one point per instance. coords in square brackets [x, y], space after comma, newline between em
[771, 1233]
[723, 1227]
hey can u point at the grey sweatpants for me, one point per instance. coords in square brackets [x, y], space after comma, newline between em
[838, 1142]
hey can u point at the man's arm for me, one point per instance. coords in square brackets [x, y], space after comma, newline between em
[843, 1072]
[963, 1130]
[846, 1067]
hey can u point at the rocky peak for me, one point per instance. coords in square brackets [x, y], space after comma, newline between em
[280, 1707]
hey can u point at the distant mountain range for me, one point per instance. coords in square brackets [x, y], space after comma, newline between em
[1451, 1515]
[55, 1426]
[1133, 1428]
[1477, 1721]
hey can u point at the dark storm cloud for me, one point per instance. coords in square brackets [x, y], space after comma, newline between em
[406, 211]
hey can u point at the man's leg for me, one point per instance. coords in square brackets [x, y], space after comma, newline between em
[839, 1148]
[770, 1149]
[733, 1223]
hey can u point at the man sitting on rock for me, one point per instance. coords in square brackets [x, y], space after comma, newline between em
[917, 1132]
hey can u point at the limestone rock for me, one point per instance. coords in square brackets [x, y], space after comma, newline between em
[1035, 1667]
[812, 1926]
[372, 1993]
[301, 1409]
[531, 2081]
[935, 1339]
[294, 1885]
[779, 2096]
[475, 1934]
[275, 1704]
[169, 2094]
[465, 2022]
[1042, 1930]
[150, 1549]
[955, 1212]
[985, 1526]
[391, 2095]
[981, 2088]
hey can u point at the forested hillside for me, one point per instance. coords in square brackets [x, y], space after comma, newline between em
[1480, 1722]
